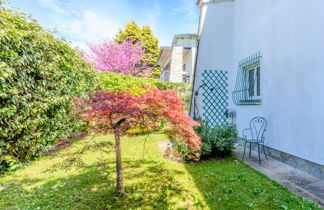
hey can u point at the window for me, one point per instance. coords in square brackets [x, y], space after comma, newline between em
[184, 68]
[185, 77]
[248, 81]
[253, 81]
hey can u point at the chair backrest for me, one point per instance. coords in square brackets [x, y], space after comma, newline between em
[258, 126]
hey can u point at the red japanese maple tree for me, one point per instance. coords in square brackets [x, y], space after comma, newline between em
[118, 112]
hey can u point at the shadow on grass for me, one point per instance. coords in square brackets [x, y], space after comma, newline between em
[231, 184]
[148, 185]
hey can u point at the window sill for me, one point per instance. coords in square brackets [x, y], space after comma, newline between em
[254, 102]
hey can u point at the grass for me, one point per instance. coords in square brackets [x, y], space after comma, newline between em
[151, 182]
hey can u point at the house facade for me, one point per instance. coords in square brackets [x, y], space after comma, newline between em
[178, 61]
[265, 58]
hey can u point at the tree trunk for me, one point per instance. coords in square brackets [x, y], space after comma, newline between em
[119, 168]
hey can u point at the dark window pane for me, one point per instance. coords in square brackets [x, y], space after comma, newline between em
[258, 81]
[251, 82]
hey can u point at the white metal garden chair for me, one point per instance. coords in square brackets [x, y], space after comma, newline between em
[256, 132]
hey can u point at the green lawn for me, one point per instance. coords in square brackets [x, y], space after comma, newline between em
[150, 182]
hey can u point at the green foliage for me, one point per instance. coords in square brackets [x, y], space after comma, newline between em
[146, 37]
[183, 89]
[125, 83]
[218, 141]
[185, 153]
[39, 76]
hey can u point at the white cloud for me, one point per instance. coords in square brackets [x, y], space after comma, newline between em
[80, 25]
[91, 25]
[80, 21]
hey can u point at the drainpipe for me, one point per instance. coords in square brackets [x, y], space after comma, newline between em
[196, 59]
[194, 76]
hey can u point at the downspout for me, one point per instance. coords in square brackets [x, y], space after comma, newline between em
[196, 59]
[194, 75]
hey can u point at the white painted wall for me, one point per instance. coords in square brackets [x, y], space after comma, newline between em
[290, 36]
[191, 63]
[214, 53]
[186, 42]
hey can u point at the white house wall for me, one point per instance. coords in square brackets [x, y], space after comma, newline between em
[215, 53]
[289, 34]
[192, 61]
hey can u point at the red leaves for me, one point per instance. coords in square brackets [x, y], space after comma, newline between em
[105, 108]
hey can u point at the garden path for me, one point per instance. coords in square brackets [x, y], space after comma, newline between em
[301, 183]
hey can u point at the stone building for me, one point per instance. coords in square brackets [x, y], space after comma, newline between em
[178, 61]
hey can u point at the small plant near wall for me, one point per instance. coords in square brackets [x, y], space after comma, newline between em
[216, 142]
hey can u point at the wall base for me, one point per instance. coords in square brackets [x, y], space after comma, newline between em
[307, 166]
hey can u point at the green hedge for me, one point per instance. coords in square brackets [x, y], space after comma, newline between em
[39, 76]
[121, 82]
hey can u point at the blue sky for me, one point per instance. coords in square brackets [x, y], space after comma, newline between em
[87, 20]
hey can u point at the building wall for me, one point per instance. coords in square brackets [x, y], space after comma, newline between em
[187, 42]
[214, 53]
[289, 34]
[191, 63]
[176, 64]
[165, 74]
[186, 62]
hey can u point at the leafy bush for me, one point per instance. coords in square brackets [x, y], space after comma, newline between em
[39, 76]
[125, 83]
[185, 152]
[218, 141]
[119, 82]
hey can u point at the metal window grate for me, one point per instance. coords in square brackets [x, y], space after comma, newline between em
[215, 96]
[242, 94]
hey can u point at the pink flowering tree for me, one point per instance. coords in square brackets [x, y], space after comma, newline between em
[125, 58]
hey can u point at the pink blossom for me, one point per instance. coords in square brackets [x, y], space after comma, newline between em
[125, 58]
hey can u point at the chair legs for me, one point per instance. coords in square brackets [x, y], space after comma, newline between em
[244, 150]
[250, 149]
[264, 152]
[259, 153]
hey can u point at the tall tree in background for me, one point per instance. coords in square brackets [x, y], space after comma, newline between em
[145, 36]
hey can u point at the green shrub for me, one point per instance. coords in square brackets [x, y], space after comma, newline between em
[218, 141]
[124, 83]
[186, 153]
[183, 89]
[121, 82]
[39, 77]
